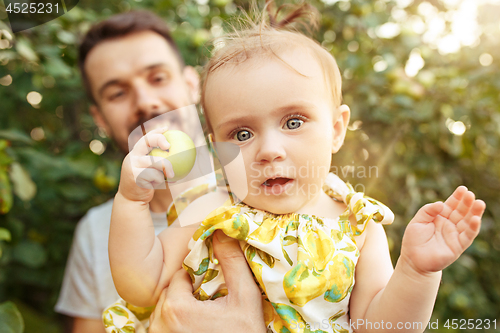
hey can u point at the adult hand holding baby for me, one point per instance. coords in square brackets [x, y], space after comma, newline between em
[178, 311]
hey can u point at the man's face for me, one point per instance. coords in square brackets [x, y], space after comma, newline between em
[135, 78]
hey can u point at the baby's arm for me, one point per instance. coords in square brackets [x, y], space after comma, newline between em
[136, 254]
[434, 239]
[141, 263]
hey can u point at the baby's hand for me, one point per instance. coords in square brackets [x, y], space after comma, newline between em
[141, 174]
[440, 232]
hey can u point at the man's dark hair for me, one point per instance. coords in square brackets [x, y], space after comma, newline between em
[119, 26]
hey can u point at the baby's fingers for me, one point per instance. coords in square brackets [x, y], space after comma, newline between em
[453, 200]
[428, 213]
[469, 226]
[149, 178]
[463, 207]
[478, 208]
[466, 237]
[156, 162]
[147, 161]
[151, 140]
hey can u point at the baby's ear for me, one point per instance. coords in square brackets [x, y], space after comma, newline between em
[340, 122]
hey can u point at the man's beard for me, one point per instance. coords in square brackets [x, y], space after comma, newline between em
[141, 121]
[124, 146]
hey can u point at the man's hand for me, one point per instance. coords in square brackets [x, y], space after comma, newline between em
[241, 310]
[440, 232]
[141, 174]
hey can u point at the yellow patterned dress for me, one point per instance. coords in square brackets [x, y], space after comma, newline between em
[303, 264]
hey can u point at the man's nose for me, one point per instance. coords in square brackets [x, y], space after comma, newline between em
[271, 148]
[147, 99]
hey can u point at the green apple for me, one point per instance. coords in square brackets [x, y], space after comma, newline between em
[182, 153]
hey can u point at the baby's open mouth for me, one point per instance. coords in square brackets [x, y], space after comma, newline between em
[276, 181]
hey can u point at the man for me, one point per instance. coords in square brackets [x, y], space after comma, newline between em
[133, 72]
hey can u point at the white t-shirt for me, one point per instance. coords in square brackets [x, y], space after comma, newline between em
[88, 286]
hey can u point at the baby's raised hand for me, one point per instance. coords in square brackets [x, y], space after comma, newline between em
[440, 232]
[141, 174]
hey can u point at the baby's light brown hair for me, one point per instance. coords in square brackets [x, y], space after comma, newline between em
[266, 36]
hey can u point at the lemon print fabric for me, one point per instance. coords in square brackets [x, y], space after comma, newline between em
[122, 317]
[303, 264]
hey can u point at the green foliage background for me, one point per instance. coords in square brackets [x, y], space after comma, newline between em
[399, 134]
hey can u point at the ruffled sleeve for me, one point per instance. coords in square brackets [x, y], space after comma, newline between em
[362, 207]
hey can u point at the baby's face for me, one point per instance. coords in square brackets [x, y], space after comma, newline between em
[283, 123]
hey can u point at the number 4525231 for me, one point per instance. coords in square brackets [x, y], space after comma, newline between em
[32, 8]
[471, 324]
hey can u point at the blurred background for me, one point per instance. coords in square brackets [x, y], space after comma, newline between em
[422, 80]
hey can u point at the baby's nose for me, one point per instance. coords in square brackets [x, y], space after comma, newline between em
[272, 148]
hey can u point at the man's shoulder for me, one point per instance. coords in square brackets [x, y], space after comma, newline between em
[96, 221]
[101, 211]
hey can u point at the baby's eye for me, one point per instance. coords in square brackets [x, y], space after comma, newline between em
[243, 135]
[294, 123]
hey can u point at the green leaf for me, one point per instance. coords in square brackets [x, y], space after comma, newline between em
[268, 259]
[24, 49]
[4, 158]
[404, 101]
[57, 68]
[203, 266]
[289, 240]
[285, 254]
[74, 192]
[37, 321]
[6, 27]
[4, 234]
[24, 187]
[15, 135]
[66, 37]
[210, 275]
[3, 144]
[53, 168]
[30, 254]
[119, 311]
[127, 329]
[11, 320]
[7, 55]
[5, 193]
[336, 316]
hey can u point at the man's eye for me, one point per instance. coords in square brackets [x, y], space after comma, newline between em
[159, 78]
[243, 135]
[116, 95]
[294, 123]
